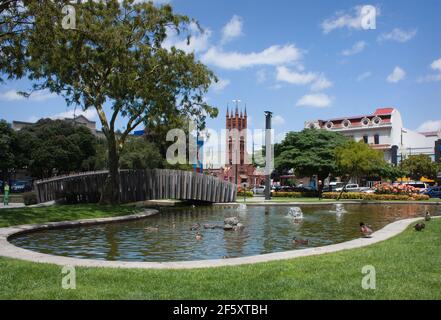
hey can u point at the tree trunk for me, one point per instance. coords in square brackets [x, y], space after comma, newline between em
[343, 188]
[110, 193]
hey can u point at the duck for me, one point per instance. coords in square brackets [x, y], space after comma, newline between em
[419, 226]
[199, 236]
[300, 241]
[152, 229]
[427, 217]
[195, 227]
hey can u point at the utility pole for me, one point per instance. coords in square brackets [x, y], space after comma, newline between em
[237, 101]
[268, 116]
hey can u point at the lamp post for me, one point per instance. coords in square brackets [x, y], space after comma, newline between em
[268, 116]
[402, 148]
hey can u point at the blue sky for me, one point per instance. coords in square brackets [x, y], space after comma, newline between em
[302, 60]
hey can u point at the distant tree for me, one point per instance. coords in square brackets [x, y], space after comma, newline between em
[55, 146]
[115, 56]
[358, 159]
[309, 152]
[8, 141]
[391, 172]
[418, 166]
[140, 154]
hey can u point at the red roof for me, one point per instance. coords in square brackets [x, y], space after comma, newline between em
[383, 111]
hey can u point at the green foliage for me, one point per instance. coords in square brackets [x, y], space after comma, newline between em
[51, 146]
[310, 152]
[309, 194]
[419, 166]
[8, 141]
[358, 159]
[29, 198]
[115, 55]
[139, 153]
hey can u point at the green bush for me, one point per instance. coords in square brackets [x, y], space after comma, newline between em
[373, 196]
[309, 194]
[30, 198]
[243, 193]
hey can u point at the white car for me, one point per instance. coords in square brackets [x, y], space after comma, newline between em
[350, 187]
[259, 190]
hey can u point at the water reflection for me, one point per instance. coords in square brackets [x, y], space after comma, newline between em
[267, 229]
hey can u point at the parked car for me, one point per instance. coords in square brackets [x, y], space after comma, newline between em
[21, 186]
[332, 187]
[259, 190]
[350, 187]
[434, 192]
[423, 187]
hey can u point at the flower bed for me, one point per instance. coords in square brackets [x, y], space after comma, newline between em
[373, 196]
[402, 189]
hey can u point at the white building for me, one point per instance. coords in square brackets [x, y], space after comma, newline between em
[383, 130]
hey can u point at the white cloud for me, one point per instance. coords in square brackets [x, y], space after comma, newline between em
[321, 83]
[341, 19]
[232, 30]
[431, 125]
[199, 39]
[397, 75]
[37, 96]
[364, 76]
[436, 65]
[318, 81]
[398, 35]
[278, 120]
[220, 85]
[356, 48]
[293, 77]
[273, 56]
[319, 100]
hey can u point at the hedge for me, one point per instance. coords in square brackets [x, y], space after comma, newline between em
[373, 196]
[310, 194]
[248, 194]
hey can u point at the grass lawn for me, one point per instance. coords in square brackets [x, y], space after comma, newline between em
[407, 267]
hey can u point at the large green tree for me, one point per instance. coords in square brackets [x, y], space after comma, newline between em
[55, 146]
[8, 142]
[309, 152]
[140, 154]
[114, 57]
[358, 159]
[418, 166]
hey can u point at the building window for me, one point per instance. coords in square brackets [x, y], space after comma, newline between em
[365, 121]
[329, 125]
[377, 121]
[365, 139]
[346, 123]
[377, 139]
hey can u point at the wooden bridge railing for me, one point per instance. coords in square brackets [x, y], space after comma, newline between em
[143, 185]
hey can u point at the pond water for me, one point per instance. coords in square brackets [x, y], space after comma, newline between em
[168, 236]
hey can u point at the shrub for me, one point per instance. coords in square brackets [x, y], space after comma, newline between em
[245, 193]
[307, 194]
[386, 188]
[30, 198]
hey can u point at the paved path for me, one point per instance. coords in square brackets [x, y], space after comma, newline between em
[9, 250]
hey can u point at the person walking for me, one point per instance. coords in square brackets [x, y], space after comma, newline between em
[6, 195]
[320, 189]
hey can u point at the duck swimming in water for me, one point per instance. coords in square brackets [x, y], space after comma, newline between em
[299, 241]
[365, 230]
[152, 229]
[195, 227]
[199, 236]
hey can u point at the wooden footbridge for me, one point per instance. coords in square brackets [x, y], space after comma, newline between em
[141, 185]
